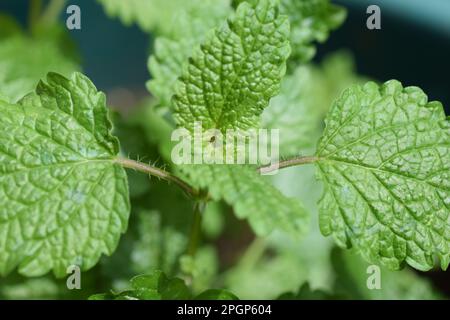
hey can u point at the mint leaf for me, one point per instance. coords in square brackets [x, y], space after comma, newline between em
[63, 200]
[171, 53]
[311, 21]
[20, 70]
[215, 294]
[306, 293]
[252, 197]
[231, 78]
[158, 16]
[153, 286]
[157, 286]
[385, 163]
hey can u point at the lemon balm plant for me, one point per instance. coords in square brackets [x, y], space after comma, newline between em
[383, 157]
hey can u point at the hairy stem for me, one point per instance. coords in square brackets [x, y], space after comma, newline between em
[156, 172]
[194, 238]
[288, 163]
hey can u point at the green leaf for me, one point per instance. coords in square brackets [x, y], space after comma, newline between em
[251, 196]
[311, 21]
[171, 53]
[231, 78]
[63, 200]
[215, 294]
[153, 286]
[157, 286]
[159, 16]
[385, 163]
[306, 293]
[24, 61]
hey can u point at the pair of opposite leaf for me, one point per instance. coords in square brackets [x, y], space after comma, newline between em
[384, 159]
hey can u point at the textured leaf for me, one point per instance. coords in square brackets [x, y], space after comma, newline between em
[152, 286]
[252, 197]
[171, 53]
[385, 163]
[159, 16]
[157, 286]
[231, 78]
[20, 70]
[311, 21]
[305, 293]
[214, 294]
[63, 201]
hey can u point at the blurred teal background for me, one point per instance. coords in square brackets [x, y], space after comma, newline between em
[413, 45]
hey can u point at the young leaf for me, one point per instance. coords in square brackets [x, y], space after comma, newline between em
[231, 78]
[153, 286]
[63, 200]
[215, 294]
[311, 21]
[157, 286]
[252, 197]
[171, 53]
[385, 163]
[227, 84]
[159, 16]
[306, 293]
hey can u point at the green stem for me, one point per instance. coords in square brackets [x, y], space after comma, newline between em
[297, 161]
[194, 237]
[156, 172]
